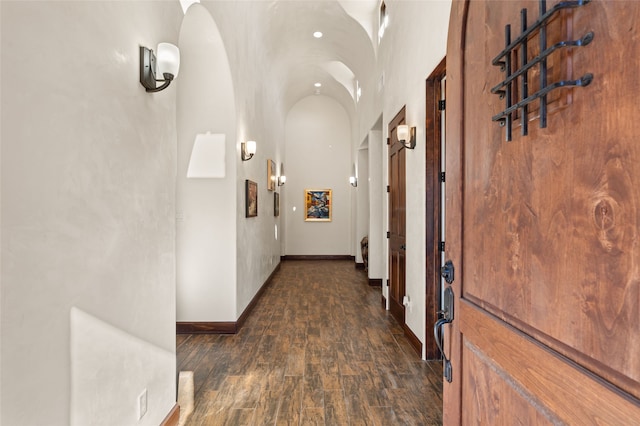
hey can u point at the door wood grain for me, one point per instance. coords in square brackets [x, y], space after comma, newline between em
[543, 230]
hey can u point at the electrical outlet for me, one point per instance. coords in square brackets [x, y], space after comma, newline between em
[142, 404]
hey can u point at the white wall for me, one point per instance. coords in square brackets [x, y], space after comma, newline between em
[88, 203]
[318, 151]
[362, 196]
[259, 117]
[1, 291]
[115, 363]
[413, 45]
[377, 199]
[206, 207]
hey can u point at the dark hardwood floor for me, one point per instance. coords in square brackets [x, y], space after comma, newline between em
[318, 349]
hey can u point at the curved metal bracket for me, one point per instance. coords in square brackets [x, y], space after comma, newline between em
[148, 72]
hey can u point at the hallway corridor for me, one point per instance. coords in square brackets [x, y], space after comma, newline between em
[317, 349]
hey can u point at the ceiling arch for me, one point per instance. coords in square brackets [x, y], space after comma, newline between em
[279, 33]
[344, 53]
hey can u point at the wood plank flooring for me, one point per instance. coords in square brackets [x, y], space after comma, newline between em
[318, 349]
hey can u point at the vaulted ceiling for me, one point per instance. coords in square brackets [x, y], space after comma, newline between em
[344, 54]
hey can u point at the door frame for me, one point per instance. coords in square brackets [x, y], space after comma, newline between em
[397, 310]
[433, 207]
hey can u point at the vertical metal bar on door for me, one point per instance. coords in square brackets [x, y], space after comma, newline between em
[543, 65]
[507, 67]
[524, 116]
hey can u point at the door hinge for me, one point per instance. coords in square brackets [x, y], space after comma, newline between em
[388, 141]
[387, 282]
[388, 234]
[388, 188]
[441, 105]
[442, 177]
[441, 245]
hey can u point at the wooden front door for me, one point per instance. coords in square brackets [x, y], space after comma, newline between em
[397, 220]
[544, 231]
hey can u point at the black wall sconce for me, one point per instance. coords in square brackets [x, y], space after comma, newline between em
[406, 135]
[353, 179]
[247, 150]
[282, 179]
[167, 64]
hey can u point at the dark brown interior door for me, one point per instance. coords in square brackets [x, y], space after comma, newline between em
[397, 220]
[544, 230]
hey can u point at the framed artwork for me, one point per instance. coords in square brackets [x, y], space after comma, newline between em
[317, 204]
[276, 204]
[271, 175]
[251, 198]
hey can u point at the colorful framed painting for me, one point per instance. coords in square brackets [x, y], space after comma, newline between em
[318, 205]
[271, 175]
[276, 204]
[251, 199]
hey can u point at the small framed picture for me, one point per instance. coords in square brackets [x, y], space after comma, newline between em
[271, 175]
[276, 204]
[251, 199]
[317, 205]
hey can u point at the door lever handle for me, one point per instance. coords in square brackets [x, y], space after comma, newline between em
[447, 317]
[440, 342]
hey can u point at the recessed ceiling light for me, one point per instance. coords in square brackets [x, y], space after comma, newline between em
[318, 84]
[317, 34]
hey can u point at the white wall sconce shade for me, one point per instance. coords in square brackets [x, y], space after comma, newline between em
[248, 150]
[168, 60]
[166, 64]
[282, 179]
[406, 135]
